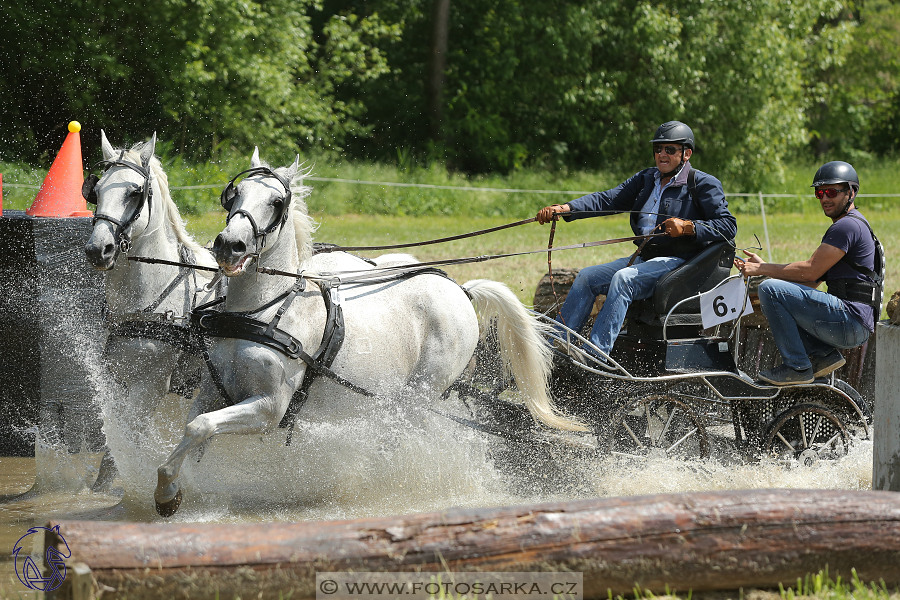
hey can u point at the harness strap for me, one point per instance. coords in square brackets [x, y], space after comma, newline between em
[298, 287]
[181, 337]
[878, 278]
[865, 292]
[241, 326]
[187, 257]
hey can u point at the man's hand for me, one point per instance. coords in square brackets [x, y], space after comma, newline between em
[676, 227]
[749, 267]
[545, 215]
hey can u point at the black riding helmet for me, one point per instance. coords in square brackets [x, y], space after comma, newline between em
[836, 171]
[675, 132]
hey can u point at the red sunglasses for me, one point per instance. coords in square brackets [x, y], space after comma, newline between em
[830, 192]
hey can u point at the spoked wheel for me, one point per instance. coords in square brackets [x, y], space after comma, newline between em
[658, 426]
[807, 433]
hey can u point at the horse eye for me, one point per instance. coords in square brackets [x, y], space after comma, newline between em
[278, 204]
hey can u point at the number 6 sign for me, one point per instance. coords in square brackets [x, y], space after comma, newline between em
[724, 303]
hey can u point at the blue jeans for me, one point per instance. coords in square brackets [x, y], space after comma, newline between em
[622, 285]
[806, 322]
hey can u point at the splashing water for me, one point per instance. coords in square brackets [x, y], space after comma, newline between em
[388, 462]
[385, 464]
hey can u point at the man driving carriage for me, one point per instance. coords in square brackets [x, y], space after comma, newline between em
[809, 325]
[672, 197]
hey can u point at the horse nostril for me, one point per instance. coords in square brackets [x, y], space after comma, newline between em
[239, 248]
[217, 244]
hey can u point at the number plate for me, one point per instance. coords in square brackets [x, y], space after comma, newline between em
[724, 303]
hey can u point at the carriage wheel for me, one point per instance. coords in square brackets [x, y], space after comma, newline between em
[658, 426]
[806, 433]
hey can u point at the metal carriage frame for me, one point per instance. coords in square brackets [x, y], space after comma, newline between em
[671, 389]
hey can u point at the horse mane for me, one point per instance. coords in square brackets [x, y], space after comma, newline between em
[173, 216]
[304, 225]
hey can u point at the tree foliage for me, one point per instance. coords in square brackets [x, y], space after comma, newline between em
[584, 84]
[197, 71]
[565, 84]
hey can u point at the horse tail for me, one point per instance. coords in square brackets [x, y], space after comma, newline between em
[526, 355]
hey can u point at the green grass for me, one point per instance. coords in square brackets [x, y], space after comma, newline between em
[338, 198]
[352, 214]
[792, 236]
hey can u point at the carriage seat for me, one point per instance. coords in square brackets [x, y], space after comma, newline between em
[699, 274]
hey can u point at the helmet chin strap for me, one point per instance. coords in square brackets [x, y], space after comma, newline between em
[674, 172]
[849, 202]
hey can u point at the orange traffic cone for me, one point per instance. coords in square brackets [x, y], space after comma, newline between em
[60, 195]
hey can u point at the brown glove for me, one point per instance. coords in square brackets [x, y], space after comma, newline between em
[676, 227]
[545, 215]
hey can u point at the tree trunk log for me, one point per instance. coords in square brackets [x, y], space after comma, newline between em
[701, 541]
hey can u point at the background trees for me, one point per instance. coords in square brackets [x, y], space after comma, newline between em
[562, 84]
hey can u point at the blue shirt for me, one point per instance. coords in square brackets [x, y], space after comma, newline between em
[853, 237]
[647, 219]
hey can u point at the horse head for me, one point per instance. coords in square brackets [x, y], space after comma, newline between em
[258, 207]
[121, 194]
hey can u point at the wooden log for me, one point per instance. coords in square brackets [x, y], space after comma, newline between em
[702, 541]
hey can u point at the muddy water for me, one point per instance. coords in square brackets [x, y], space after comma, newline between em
[377, 465]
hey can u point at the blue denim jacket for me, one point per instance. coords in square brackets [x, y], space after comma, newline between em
[712, 220]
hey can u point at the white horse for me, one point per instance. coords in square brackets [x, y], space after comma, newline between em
[147, 304]
[406, 338]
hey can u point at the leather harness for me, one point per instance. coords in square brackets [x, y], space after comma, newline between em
[162, 326]
[208, 320]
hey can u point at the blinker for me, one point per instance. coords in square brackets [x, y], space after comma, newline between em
[87, 189]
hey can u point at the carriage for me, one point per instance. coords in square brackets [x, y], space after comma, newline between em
[671, 388]
[668, 388]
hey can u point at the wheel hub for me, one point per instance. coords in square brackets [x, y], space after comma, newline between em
[808, 457]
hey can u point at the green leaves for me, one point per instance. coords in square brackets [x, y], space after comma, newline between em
[565, 85]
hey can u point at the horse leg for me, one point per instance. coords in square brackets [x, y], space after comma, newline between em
[257, 414]
[106, 474]
[144, 386]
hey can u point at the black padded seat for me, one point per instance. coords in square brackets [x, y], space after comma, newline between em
[699, 274]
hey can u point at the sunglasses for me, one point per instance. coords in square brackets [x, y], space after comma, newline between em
[831, 193]
[670, 150]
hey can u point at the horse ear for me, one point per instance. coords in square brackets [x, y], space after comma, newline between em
[105, 147]
[292, 170]
[254, 160]
[148, 150]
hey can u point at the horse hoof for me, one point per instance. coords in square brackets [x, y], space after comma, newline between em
[167, 509]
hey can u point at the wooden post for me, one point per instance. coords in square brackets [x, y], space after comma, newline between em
[762, 211]
[696, 541]
[440, 24]
[886, 426]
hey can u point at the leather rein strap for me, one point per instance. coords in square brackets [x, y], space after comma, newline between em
[428, 242]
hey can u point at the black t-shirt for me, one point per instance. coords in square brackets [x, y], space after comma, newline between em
[853, 237]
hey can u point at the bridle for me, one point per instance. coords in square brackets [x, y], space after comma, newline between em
[230, 193]
[89, 192]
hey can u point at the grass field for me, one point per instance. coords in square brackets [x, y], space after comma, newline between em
[792, 236]
[358, 215]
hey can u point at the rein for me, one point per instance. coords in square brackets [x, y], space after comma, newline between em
[428, 242]
[369, 276]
